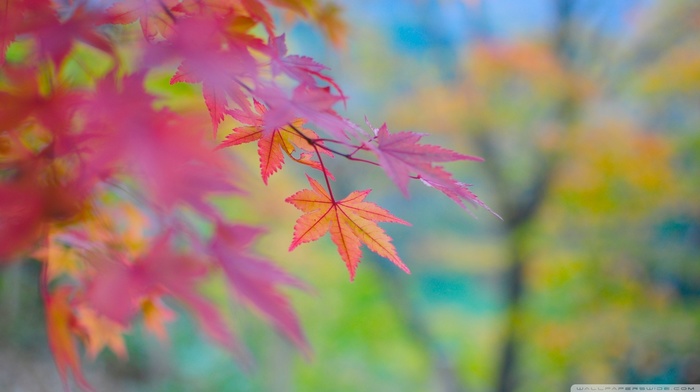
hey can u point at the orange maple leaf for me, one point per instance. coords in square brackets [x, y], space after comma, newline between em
[351, 222]
[155, 315]
[329, 19]
[101, 332]
[60, 329]
[272, 146]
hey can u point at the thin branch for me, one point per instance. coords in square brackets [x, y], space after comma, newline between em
[317, 143]
[167, 11]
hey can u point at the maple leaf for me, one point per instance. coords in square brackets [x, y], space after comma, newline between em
[155, 315]
[312, 103]
[351, 222]
[60, 327]
[160, 271]
[20, 218]
[18, 17]
[54, 35]
[22, 99]
[272, 145]
[31, 196]
[154, 16]
[329, 19]
[60, 259]
[459, 192]
[214, 51]
[401, 156]
[258, 12]
[165, 150]
[307, 159]
[301, 68]
[255, 280]
[101, 332]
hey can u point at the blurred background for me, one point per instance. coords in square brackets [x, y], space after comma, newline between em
[588, 115]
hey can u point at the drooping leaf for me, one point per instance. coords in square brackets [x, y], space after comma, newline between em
[257, 281]
[160, 271]
[351, 222]
[164, 150]
[401, 156]
[459, 192]
[60, 328]
[301, 68]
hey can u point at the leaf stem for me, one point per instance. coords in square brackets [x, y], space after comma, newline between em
[317, 143]
[325, 173]
[167, 11]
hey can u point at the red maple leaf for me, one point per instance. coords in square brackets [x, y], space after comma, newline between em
[161, 271]
[14, 16]
[163, 149]
[54, 27]
[55, 36]
[256, 281]
[272, 146]
[351, 222]
[22, 98]
[21, 217]
[220, 61]
[155, 16]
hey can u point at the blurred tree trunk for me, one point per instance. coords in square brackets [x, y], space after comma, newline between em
[520, 206]
[519, 211]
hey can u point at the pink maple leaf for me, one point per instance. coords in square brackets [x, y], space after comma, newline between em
[459, 192]
[55, 37]
[164, 150]
[313, 104]
[154, 16]
[223, 65]
[300, 68]
[160, 271]
[401, 156]
[256, 281]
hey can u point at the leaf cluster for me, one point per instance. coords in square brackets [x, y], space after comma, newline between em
[108, 189]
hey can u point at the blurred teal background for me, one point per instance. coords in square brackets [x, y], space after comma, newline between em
[587, 115]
